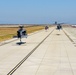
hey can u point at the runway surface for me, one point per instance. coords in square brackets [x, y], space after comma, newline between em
[50, 52]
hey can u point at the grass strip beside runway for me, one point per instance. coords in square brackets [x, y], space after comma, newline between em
[8, 32]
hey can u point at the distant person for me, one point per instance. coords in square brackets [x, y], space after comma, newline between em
[59, 27]
[46, 28]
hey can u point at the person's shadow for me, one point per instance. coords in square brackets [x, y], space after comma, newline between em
[58, 34]
[20, 43]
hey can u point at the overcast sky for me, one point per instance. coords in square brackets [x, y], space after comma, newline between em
[37, 11]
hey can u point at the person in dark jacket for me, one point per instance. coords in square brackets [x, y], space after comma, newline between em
[46, 28]
[59, 27]
[21, 32]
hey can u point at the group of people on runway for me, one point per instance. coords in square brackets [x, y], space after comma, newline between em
[21, 33]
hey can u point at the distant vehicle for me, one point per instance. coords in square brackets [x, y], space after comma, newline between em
[73, 26]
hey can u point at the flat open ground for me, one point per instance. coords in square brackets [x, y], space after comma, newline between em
[50, 52]
[71, 30]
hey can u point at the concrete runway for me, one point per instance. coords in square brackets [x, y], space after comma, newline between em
[56, 55]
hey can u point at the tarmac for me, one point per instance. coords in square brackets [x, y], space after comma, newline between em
[56, 54]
